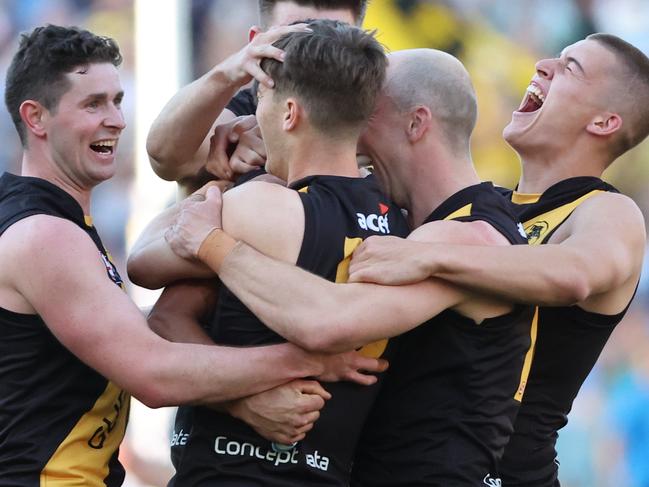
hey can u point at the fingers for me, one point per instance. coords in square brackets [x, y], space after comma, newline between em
[213, 195]
[362, 379]
[313, 387]
[244, 124]
[268, 51]
[368, 364]
[261, 47]
[245, 160]
[254, 69]
[359, 273]
[223, 185]
[202, 191]
[217, 162]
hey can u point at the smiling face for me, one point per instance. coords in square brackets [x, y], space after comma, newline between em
[564, 97]
[82, 131]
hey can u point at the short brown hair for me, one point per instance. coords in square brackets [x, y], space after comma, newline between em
[336, 71]
[356, 7]
[633, 97]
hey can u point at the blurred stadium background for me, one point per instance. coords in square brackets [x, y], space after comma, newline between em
[169, 42]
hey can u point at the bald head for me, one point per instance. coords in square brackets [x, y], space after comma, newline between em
[440, 82]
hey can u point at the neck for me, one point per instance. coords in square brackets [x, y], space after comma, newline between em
[317, 155]
[433, 183]
[540, 170]
[38, 165]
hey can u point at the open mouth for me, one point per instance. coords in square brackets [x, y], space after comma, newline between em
[534, 99]
[103, 146]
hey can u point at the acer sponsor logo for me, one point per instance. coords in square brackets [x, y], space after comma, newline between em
[375, 222]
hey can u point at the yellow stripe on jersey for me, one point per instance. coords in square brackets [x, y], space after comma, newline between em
[374, 349]
[81, 460]
[303, 190]
[525, 198]
[540, 226]
[527, 364]
[87, 220]
[464, 211]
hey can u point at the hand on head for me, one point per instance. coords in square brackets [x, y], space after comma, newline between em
[244, 66]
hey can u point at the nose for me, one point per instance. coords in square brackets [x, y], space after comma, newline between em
[545, 68]
[115, 118]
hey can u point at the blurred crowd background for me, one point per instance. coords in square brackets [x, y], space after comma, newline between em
[606, 442]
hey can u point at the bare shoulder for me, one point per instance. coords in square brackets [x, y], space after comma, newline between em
[477, 232]
[268, 216]
[608, 204]
[615, 212]
[37, 253]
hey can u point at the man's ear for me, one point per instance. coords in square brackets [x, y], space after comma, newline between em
[253, 31]
[32, 114]
[605, 124]
[292, 114]
[419, 121]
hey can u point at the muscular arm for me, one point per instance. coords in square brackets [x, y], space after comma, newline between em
[182, 309]
[152, 264]
[320, 315]
[178, 142]
[311, 311]
[56, 268]
[594, 259]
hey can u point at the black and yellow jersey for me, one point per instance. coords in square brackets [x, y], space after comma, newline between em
[209, 448]
[448, 402]
[569, 342]
[61, 423]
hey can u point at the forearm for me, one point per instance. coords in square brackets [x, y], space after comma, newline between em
[179, 329]
[550, 275]
[178, 132]
[217, 374]
[152, 264]
[320, 315]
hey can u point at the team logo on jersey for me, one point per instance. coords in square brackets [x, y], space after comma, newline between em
[491, 481]
[375, 222]
[100, 435]
[521, 230]
[536, 231]
[111, 270]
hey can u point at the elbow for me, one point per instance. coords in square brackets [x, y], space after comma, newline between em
[161, 160]
[326, 335]
[156, 389]
[572, 289]
[152, 399]
[138, 273]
